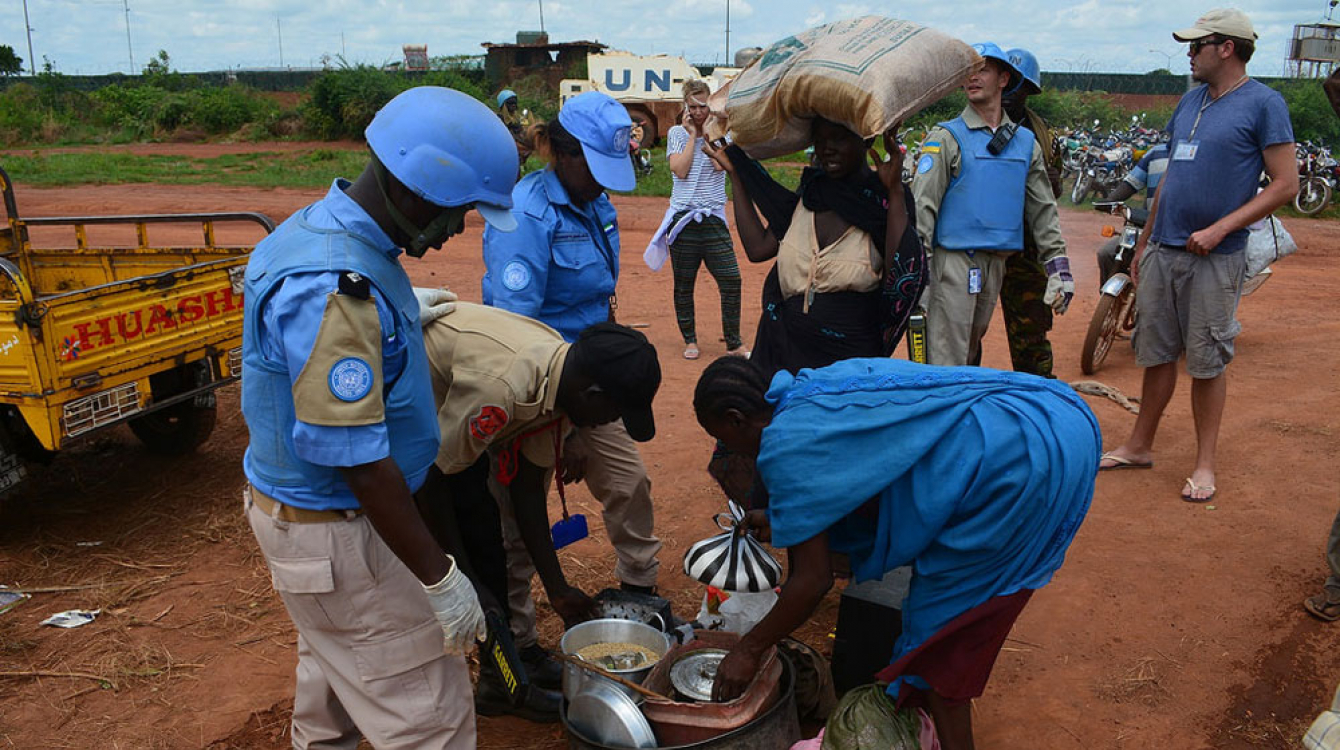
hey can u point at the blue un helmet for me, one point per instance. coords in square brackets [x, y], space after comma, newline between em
[449, 149]
[1029, 70]
[504, 95]
[992, 51]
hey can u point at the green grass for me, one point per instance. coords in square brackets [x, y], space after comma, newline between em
[263, 169]
[312, 168]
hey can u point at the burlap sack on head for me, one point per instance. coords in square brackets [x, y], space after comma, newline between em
[867, 73]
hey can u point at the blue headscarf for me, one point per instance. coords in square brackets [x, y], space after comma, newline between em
[980, 477]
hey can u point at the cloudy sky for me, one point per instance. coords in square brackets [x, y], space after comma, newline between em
[89, 36]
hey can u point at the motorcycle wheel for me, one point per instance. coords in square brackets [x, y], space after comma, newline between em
[1107, 321]
[1313, 196]
[1081, 189]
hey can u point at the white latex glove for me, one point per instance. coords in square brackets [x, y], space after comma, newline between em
[1060, 285]
[434, 303]
[456, 606]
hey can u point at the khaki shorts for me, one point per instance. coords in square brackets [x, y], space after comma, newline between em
[1186, 303]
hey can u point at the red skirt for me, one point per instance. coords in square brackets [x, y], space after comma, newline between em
[956, 661]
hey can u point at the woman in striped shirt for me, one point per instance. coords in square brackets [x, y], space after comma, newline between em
[695, 225]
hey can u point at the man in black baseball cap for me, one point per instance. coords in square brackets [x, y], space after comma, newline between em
[622, 364]
[510, 395]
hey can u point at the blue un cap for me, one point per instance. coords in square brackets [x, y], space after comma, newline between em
[602, 126]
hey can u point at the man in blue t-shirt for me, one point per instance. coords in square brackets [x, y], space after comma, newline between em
[1145, 177]
[1189, 261]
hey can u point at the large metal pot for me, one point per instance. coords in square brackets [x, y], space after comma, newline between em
[609, 631]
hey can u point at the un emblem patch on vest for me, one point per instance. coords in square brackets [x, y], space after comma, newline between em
[350, 379]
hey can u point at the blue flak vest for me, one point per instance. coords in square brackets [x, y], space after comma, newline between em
[267, 390]
[983, 207]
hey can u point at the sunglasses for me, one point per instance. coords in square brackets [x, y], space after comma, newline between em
[1197, 45]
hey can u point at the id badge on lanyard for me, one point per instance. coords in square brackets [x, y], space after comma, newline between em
[1185, 150]
[974, 280]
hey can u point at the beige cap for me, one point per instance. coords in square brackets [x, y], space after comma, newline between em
[1224, 21]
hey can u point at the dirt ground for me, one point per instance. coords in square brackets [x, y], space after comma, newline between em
[1171, 625]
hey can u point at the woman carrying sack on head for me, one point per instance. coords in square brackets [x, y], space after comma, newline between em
[849, 263]
[695, 228]
[977, 478]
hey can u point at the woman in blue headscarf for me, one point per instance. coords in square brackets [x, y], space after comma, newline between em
[977, 478]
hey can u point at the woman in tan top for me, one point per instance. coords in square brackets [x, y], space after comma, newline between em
[849, 264]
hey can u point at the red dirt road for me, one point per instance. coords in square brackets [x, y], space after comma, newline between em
[1171, 625]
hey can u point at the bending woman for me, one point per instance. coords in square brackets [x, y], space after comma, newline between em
[849, 263]
[977, 478]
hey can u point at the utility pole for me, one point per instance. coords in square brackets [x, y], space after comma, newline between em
[129, 50]
[279, 26]
[541, 16]
[727, 61]
[343, 53]
[32, 64]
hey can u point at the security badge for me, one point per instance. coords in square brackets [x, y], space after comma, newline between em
[974, 280]
[1186, 150]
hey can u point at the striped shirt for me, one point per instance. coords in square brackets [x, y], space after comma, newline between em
[705, 187]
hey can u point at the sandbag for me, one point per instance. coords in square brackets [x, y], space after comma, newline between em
[867, 73]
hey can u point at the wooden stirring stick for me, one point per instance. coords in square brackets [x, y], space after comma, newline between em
[588, 666]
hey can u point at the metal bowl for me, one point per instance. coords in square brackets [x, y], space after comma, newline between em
[609, 631]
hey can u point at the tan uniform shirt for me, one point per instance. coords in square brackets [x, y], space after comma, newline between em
[495, 378]
[1042, 222]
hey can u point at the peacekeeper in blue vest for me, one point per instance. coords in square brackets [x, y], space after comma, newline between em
[980, 182]
[560, 267]
[338, 399]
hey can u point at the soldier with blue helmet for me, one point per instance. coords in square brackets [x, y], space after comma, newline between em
[980, 184]
[1027, 317]
[339, 404]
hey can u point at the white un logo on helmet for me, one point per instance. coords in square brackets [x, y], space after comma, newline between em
[350, 379]
[621, 140]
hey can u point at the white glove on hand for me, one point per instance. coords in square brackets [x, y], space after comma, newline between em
[1060, 285]
[456, 606]
[434, 303]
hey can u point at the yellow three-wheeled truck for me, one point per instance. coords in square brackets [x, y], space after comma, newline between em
[94, 336]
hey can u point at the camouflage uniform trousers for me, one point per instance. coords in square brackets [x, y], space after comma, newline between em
[1027, 317]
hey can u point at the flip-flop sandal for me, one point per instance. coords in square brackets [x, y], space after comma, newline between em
[1122, 463]
[739, 351]
[1323, 606]
[691, 351]
[1190, 489]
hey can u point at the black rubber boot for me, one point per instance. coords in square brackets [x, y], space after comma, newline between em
[492, 699]
[544, 670]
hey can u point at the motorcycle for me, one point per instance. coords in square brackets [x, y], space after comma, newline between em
[1314, 189]
[1115, 313]
[1103, 168]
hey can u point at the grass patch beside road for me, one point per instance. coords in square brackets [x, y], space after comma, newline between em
[260, 169]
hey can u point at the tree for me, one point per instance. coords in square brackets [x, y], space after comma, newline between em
[10, 63]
